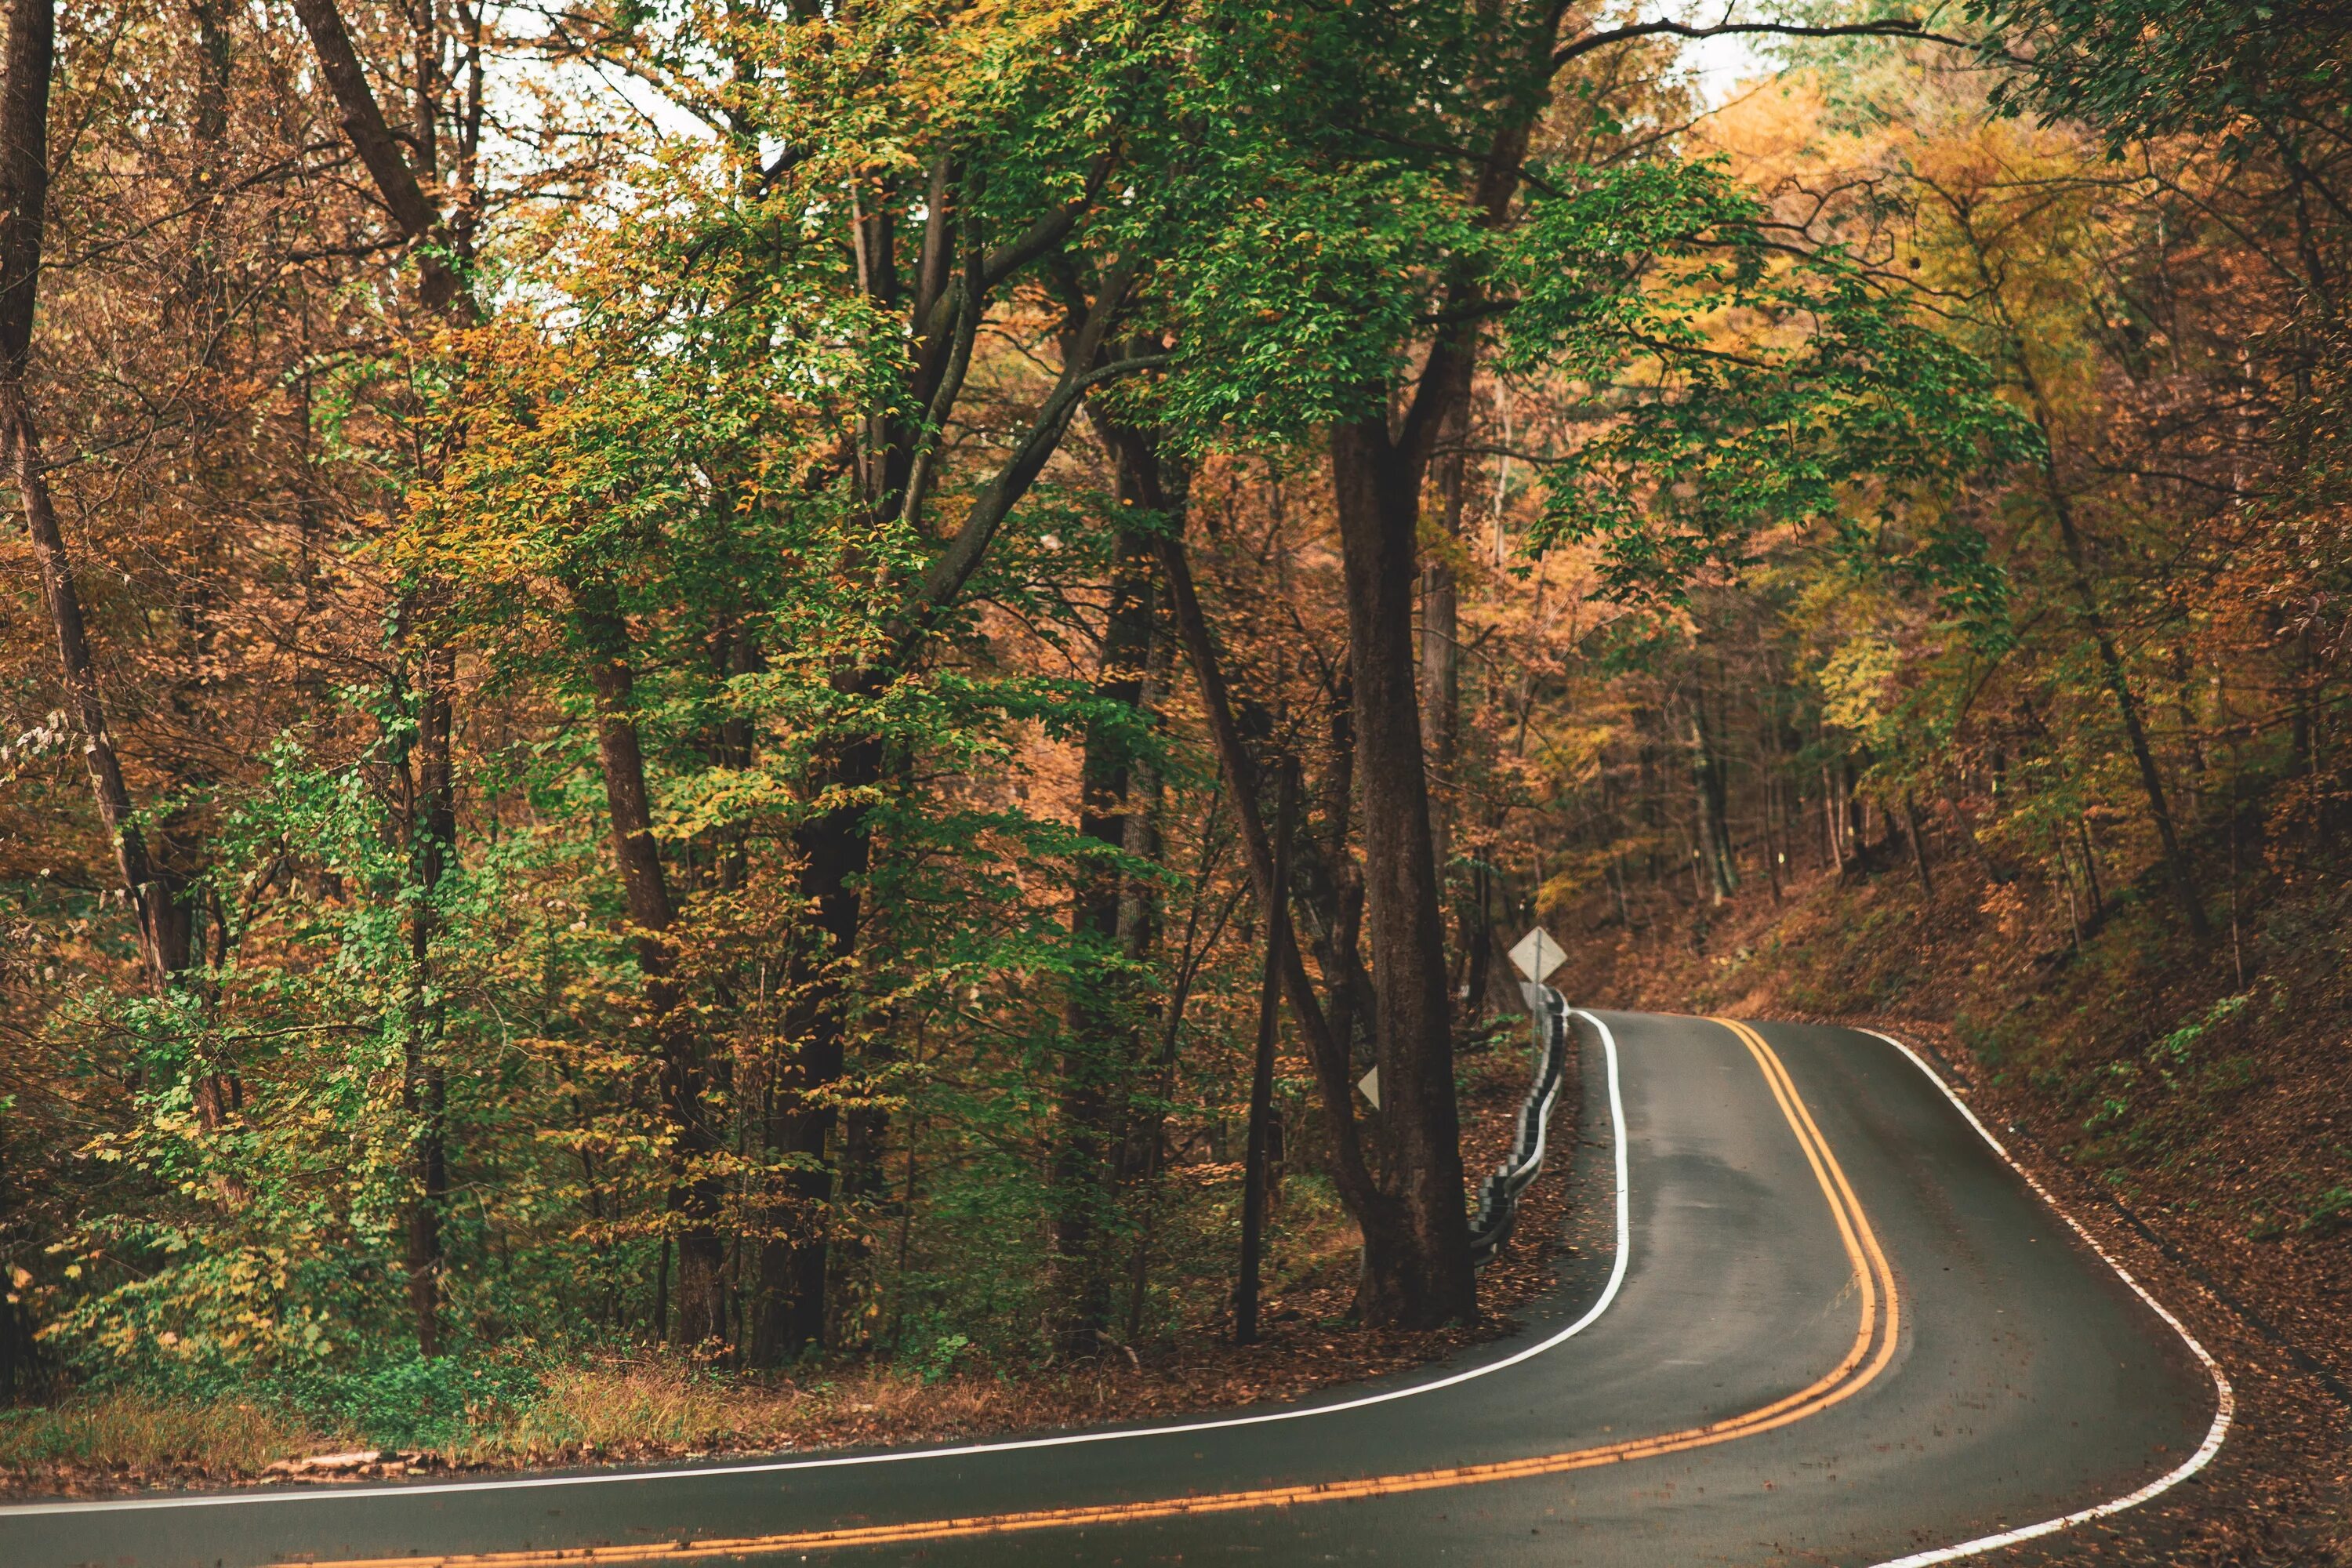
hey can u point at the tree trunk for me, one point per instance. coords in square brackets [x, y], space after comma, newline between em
[151, 887]
[1329, 886]
[432, 831]
[1914, 829]
[2176, 859]
[19, 1351]
[1441, 657]
[1147, 1130]
[1714, 829]
[1100, 1022]
[161, 923]
[1139, 917]
[1423, 1276]
[1853, 819]
[431, 810]
[1832, 851]
[837, 849]
[2093, 890]
[696, 1194]
[2111, 663]
[440, 288]
[1373, 1208]
[425, 1099]
[1261, 1102]
[836, 846]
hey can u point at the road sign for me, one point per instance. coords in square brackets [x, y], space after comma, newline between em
[1537, 955]
[1370, 1086]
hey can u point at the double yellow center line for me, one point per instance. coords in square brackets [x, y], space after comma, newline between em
[1873, 1348]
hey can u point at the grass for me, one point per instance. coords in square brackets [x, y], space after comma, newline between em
[140, 1432]
[613, 1409]
[658, 1406]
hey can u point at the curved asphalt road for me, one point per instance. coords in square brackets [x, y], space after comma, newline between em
[1841, 1331]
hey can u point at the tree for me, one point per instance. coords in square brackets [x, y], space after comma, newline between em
[1398, 219]
[442, 248]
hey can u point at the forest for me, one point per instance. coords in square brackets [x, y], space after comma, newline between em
[687, 686]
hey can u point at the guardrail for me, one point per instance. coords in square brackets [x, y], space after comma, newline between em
[1498, 1195]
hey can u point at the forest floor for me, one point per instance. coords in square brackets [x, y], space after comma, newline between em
[2192, 1107]
[642, 1409]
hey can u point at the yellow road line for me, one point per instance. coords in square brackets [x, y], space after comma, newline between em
[1874, 1281]
[1792, 1106]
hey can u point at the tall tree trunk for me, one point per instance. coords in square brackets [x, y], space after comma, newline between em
[1709, 792]
[1917, 832]
[1428, 1280]
[431, 812]
[1376, 1211]
[835, 845]
[2086, 601]
[835, 848]
[153, 890]
[1421, 1275]
[2111, 663]
[1139, 917]
[1441, 655]
[1139, 902]
[701, 1256]
[432, 831]
[161, 925]
[1329, 886]
[1100, 1022]
[19, 1353]
[2093, 891]
[1832, 851]
[1261, 1101]
[439, 287]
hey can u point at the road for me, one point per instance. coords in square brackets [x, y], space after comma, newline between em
[1836, 1328]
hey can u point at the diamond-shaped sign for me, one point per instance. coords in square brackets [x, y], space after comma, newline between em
[1369, 1084]
[1537, 955]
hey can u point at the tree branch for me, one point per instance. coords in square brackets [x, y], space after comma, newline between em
[946, 579]
[371, 139]
[1891, 27]
[1329, 1055]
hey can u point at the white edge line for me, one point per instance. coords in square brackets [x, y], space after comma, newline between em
[2225, 1402]
[1608, 1295]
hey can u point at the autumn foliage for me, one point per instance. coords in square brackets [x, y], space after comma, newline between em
[648, 709]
